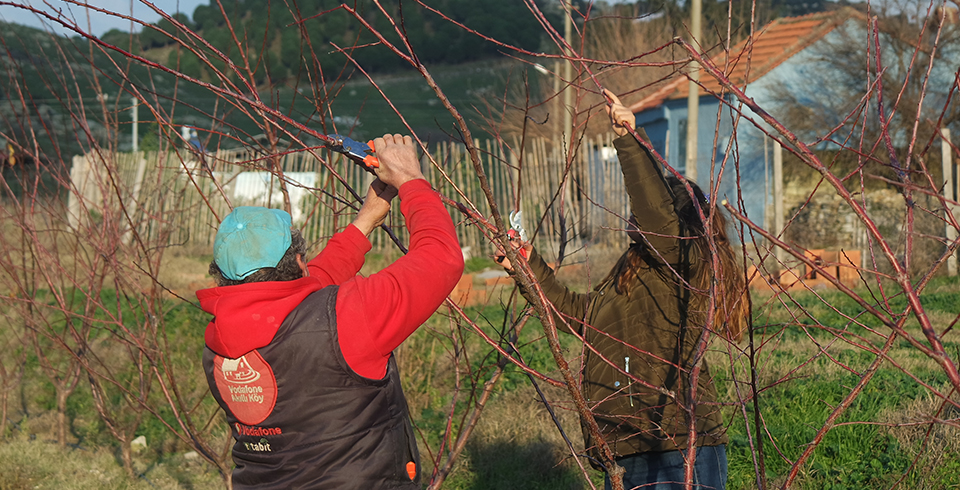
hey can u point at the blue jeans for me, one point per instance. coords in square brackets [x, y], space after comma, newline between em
[665, 471]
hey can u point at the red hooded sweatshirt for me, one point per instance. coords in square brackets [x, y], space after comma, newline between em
[374, 314]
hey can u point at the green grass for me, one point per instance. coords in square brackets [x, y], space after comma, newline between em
[517, 445]
[36, 464]
[33, 409]
[871, 447]
[479, 264]
[850, 456]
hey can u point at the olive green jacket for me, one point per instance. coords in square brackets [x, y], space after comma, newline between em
[644, 332]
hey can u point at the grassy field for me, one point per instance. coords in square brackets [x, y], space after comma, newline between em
[883, 437]
[805, 371]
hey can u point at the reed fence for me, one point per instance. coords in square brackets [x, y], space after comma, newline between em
[181, 196]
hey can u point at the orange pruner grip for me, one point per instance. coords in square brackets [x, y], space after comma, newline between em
[361, 153]
[370, 160]
[514, 234]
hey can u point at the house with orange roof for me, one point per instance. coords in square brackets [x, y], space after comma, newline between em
[787, 55]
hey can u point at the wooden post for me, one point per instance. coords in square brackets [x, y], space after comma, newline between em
[778, 198]
[135, 133]
[568, 78]
[79, 173]
[137, 185]
[949, 193]
[766, 184]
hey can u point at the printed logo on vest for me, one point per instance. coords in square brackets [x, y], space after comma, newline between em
[262, 446]
[246, 430]
[247, 385]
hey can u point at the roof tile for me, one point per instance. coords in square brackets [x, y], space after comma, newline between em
[774, 44]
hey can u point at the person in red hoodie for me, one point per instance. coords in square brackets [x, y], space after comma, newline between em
[300, 354]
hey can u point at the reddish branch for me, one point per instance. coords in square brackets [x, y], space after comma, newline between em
[901, 275]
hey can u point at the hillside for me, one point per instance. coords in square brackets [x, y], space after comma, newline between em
[352, 105]
[274, 42]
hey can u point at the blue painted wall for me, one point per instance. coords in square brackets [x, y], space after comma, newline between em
[810, 78]
[667, 125]
[749, 159]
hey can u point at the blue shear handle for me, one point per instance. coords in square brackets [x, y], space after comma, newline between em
[359, 152]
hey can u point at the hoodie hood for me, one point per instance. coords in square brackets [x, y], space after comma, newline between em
[247, 316]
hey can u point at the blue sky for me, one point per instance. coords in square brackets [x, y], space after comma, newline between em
[98, 23]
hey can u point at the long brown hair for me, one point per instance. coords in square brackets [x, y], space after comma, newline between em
[733, 297]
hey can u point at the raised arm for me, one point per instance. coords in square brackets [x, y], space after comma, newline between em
[343, 256]
[650, 199]
[341, 259]
[377, 313]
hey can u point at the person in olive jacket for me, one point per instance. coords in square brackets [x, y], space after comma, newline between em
[644, 322]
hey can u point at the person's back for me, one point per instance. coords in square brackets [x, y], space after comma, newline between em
[303, 367]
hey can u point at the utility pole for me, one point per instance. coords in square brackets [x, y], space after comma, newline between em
[693, 95]
[568, 77]
[567, 149]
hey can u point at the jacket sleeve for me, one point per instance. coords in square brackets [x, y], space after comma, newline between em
[342, 257]
[376, 314]
[571, 304]
[650, 199]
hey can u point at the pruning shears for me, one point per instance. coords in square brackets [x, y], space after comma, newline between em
[362, 153]
[516, 230]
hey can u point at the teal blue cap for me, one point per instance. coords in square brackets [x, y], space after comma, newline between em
[249, 239]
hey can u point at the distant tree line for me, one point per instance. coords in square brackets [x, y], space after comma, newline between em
[283, 38]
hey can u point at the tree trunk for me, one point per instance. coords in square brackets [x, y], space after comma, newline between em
[3, 413]
[127, 455]
[62, 394]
